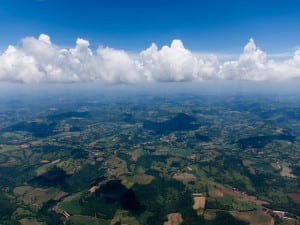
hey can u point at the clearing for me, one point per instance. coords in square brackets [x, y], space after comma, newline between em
[199, 205]
[174, 219]
[286, 172]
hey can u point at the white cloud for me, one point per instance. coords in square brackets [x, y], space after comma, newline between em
[174, 63]
[38, 60]
[249, 65]
[116, 66]
[253, 64]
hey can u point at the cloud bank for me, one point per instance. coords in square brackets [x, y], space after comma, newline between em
[38, 60]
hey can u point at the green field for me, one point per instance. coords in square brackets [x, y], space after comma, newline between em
[137, 160]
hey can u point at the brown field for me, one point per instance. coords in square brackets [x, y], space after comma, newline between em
[99, 159]
[199, 205]
[254, 217]
[134, 157]
[252, 170]
[24, 146]
[286, 172]
[209, 215]
[229, 191]
[55, 161]
[117, 166]
[42, 169]
[247, 163]
[21, 190]
[184, 177]
[141, 170]
[174, 219]
[139, 179]
[29, 221]
[94, 188]
[215, 193]
[35, 197]
[295, 197]
[36, 143]
[123, 217]
[239, 195]
[276, 166]
[143, 179]
[60, 195]
[113, 161]
[72, 134]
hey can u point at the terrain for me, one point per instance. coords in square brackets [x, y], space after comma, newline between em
[148, 158]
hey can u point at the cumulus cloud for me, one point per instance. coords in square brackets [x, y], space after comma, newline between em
[38, 60]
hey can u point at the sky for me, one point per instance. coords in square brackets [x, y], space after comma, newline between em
[111, 40]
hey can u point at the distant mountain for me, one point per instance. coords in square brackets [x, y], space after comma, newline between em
[179, 123]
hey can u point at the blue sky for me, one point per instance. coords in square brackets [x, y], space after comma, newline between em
[213, 26]
[110, 41]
